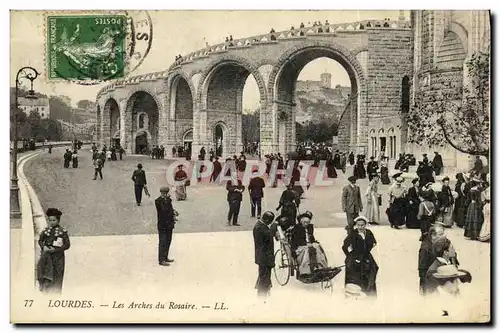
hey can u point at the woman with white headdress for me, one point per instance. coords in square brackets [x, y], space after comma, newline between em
[361, 268]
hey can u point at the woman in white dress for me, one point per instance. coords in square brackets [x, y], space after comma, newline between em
[372, 201]
[485, 234]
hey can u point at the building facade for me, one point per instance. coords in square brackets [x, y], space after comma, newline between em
[198, 100]
[38, 105]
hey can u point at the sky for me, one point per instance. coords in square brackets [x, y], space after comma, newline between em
[182, 32]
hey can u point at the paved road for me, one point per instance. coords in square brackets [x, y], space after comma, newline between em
[107, 207]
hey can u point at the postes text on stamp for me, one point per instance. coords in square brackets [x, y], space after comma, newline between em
[86, 47]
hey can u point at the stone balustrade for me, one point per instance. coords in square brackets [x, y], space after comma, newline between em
[275, 37]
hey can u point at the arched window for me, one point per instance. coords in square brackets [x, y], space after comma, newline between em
[405, 94]
[141, 121]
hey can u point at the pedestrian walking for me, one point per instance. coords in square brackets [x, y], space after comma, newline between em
[97, 168]
[256, 190]
[121, 151]
[234, 197]
[139, 178]
[361, 268]
[351, 201]
[53, 242]
[180, 190]
[74, 159]
[167, 217]
[264, 253]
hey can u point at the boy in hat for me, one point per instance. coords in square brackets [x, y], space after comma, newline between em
[351, 201]
[53, 241]
[167, 216]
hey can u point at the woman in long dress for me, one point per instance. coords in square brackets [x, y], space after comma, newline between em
[446, 201]
[384, 171]
[361, 268]
[413, 202]
[372, 198]
[74, 159]
[474, 218]
[397, 203]
[485, 234]
[180, 189]
[459, 209]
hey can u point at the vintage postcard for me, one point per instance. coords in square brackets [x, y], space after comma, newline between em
[250, 166]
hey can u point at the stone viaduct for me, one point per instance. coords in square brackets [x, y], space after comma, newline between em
[199, 98]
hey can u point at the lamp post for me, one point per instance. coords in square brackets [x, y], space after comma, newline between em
[31, 74]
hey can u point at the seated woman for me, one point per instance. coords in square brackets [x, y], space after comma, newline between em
[307, 252]
[303, 232]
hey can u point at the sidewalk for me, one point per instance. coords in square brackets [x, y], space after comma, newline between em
[219, 267]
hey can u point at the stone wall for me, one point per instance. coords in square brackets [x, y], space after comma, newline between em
[389, 60]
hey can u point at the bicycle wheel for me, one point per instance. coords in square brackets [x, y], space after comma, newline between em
[281, 267]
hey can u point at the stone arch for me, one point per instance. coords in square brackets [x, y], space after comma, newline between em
[346, 57]
[143, 90]
[180, 84]
[283, 78]
[462, 34]
[452, 51]
[221, 148]
[213, 68]
[110, 115]
[139, 101]
[185, 135]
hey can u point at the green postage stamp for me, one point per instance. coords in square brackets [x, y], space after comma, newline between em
[86, 47]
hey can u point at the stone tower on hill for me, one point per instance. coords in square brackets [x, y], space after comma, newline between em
[326, 80]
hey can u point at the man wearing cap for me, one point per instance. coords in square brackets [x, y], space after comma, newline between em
[139, 178]
[351, 201]
[166, 223]
[256, 189]
[264, 252]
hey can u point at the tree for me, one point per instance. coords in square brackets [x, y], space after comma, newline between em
[59, 109]
[250, 123]
[458, 117]
[85, 104]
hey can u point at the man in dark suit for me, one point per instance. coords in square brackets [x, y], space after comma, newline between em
[437, 163]
[351, 201]
[256, 189]
[166, 223]
[264, 252]
[371, 168]
[139, 178]
[234, 197]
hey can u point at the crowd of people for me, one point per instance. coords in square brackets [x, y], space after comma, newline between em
[426, 205]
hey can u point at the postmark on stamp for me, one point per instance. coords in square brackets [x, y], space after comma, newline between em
[96, 47]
